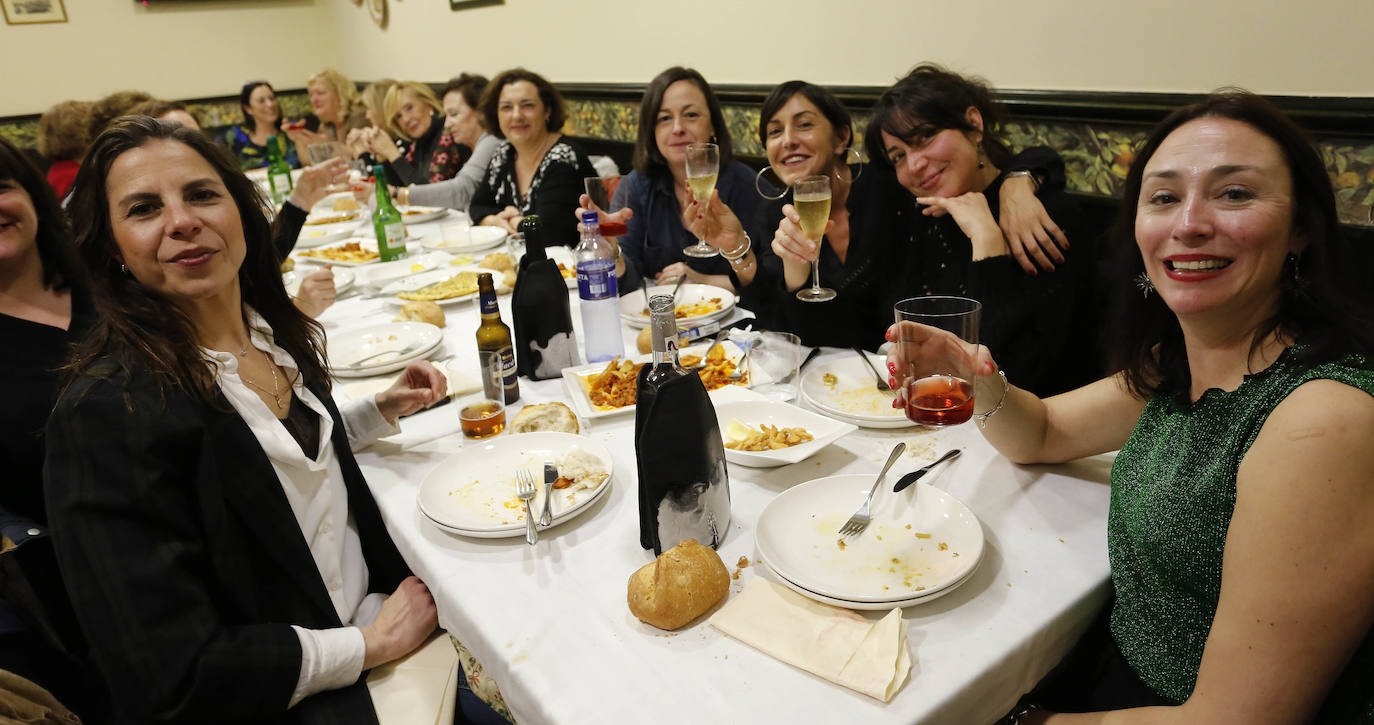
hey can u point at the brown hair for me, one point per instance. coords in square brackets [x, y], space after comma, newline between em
[931, 99]
[140, 328]
[648, 157]
[113, 106]
[470, 85]
[64, 131]
[61, 268]
[548, 95]
[158, 109]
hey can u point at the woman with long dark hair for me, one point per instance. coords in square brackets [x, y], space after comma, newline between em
[1238, 535]
[262, 119]
[223, 553]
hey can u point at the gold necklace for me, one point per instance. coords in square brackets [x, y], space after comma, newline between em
[275, 392]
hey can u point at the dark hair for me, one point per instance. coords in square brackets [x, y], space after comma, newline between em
[64, 131]
[245, 94]
[113, 106]
[1330, 309]
[931, 99]
[470, 86]
[140, 328]
[823, 99]
[548, 95]
[61, 267]
[648, 158]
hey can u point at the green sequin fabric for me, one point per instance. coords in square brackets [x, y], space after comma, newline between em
[1173, 493]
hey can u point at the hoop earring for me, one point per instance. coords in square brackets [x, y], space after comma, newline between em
[759, 177]
[1143, 283]
[858, 161]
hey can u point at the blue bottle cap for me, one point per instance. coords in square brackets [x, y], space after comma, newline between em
[589, 217]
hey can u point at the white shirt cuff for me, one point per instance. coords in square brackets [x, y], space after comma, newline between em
[330, 659]
[364, 422]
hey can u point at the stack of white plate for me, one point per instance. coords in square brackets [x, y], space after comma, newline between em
[376, 349]
[921, 544]
[845, 389]
[721, 300]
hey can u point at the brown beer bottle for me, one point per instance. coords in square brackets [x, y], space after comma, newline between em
[494, 336]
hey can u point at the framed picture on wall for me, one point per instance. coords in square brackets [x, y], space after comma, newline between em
[465, 4]
[24, 12]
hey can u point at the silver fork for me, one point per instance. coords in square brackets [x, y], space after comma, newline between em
[861, 518]
[743, 361]
[882, 383]
[525, 489]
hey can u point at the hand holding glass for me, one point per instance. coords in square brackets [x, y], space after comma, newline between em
[811, 199]
[937, 338]
[703, 165]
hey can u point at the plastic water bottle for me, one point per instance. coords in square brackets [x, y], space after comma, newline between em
[597, 293]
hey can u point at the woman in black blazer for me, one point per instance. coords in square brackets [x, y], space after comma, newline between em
[221, 548]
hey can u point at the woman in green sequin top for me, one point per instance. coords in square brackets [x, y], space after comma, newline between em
[1239, 531]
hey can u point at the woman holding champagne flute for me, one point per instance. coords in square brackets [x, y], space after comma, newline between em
[1238, 535]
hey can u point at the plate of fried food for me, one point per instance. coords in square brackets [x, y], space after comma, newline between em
[415, 214]
[604, 389]
[768, 433]
[696, 303]
[442, 286]
[349, 254]
[473, 492]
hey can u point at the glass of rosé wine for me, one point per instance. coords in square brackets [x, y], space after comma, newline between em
[937, 337]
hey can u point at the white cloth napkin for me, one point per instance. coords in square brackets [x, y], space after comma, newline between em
[420, 688]
[827, 641]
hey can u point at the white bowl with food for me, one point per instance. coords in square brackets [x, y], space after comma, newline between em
[771, 433]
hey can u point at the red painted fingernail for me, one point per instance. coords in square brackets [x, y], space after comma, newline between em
[896, 403]
[988, 367]
[892, 367]
[890, 335]
[892, 382]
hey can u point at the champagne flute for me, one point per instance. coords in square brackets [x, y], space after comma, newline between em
[811, 198]
[703, 164]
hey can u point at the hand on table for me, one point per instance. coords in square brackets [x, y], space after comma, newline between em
[420, 386]
[507, 219]
[405, 621]
[317, 292]
[314, 182]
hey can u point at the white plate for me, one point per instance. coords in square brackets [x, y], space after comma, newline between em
[343, 281]
[351, 345]
[634, 314]
[782, 415]
[473, 491]
[854, 396]
[798, 535]
[482, 238]
[367, 244]
[311, 237]
[576, 380]
[416, 214]
[416, 281]
[762, 563]
[316, 219]
[384, 273]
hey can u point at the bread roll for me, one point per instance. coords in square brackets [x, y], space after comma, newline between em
[643, 342]
[346, 204]
[681, 585]
[422, 311]
[545, 417]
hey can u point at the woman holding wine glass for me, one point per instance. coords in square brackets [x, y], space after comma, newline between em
[535, 169]
[939, 132]
[1242, 416]
[680, 123]
[262, 119]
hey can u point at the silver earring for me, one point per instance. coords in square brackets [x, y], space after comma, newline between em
[123, 268]
[1296, 274]
[758, 178]
[1143, 283]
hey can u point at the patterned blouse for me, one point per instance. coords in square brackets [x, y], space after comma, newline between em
[553, 192]
[254, 156]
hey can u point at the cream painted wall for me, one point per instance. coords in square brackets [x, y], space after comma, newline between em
[1320, 47]
[170, 49]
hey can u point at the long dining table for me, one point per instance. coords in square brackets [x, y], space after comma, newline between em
[551, 625]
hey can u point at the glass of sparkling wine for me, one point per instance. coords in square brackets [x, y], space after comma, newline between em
[938, 337]
[811, 199]
[703, 164]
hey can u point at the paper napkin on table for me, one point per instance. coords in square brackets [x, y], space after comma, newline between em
[420, 688]
[837, 644]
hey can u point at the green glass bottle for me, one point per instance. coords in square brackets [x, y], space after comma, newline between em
[278, 172]
[386, 221]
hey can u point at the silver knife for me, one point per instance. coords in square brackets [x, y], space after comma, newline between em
[550, 475]
[915, 475]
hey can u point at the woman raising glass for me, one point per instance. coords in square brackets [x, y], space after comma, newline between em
[535, 169]
[262, 119]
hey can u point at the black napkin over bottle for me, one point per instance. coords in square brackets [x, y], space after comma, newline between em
[544, 341]
[684, 489]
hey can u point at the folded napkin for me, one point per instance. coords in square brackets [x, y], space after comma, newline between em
[826, 641]
[420, 688]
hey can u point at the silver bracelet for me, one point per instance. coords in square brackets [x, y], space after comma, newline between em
[1035, 183]
[983, 417]
[739, 252]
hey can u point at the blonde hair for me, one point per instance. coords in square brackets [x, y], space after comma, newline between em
[374, 100]
[64, 131]
[346, 90]
[421, 91]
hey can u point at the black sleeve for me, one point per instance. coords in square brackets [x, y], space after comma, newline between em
[484, 202]
[1045, 164]
[127, 529]
[403, 173]
[286, 228]
[556, 203]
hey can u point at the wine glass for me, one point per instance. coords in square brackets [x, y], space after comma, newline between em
[811, 199]
[938, 364]
[703, 164]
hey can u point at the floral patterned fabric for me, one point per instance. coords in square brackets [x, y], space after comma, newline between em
[479, 682]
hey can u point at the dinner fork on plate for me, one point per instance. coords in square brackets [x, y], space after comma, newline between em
[738, 374]
[861, 518]
[882, 384]
[524, 487]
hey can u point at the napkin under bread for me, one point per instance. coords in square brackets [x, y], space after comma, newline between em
[837, 644]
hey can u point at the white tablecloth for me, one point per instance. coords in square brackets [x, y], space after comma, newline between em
[551, 625]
